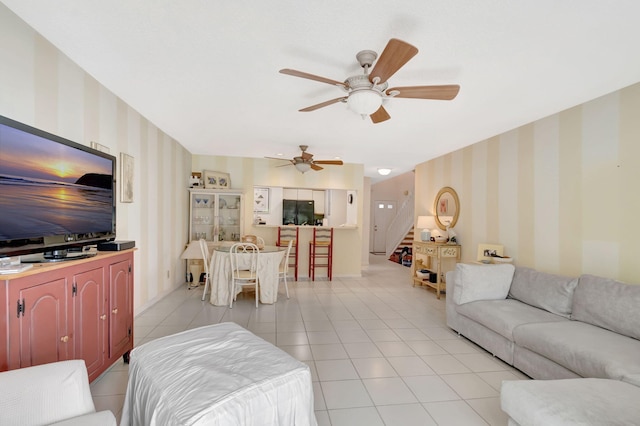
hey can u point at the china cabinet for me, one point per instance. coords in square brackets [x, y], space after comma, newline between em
[215, 215]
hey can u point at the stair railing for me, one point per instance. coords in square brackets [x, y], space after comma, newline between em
[400, 225]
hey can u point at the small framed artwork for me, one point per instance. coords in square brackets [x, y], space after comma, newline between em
[443, 206]
[261, 200]
[216, 180]
[486, 252]
[126, 178]
[195, 181]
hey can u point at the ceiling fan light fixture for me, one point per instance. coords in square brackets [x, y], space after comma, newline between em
[384, 172]
[364, 101]
[303, 167]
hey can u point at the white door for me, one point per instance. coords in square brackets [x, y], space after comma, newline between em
[383, 212]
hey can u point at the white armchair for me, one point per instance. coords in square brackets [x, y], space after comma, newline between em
[56, 393]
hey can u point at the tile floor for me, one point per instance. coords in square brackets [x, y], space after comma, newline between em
[379, 349]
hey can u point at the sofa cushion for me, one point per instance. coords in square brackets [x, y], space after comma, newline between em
[609, 304]
[570, 402]
[503, 316]
[634, 379]
[550, 292]
[585, 349]
[481, 282]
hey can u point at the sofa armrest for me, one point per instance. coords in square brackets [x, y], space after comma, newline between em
[59, 390]
[101, 418]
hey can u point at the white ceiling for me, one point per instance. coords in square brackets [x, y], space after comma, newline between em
[206, 71]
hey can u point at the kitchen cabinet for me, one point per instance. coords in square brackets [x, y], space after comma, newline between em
[318, 201]
[215, 215]
[78, 309]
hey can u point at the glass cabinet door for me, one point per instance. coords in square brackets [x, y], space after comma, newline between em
[215, 216]
[229, 217]
[202, 216]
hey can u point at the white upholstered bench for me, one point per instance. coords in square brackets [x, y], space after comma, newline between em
[216, 375]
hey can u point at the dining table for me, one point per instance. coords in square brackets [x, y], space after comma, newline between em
[268, 273]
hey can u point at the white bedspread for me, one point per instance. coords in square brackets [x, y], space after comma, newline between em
[216, 375]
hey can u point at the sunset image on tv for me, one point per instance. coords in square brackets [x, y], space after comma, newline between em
[51, 186]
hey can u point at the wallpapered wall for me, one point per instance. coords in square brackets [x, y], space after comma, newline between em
[41, 87]
[561, 194]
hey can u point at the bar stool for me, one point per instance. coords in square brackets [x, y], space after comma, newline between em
[321, 249]
[286, 234]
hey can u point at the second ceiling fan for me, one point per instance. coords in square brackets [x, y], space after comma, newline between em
[305, 162]
[366, 92]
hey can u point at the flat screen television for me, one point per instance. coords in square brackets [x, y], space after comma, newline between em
[56, 196]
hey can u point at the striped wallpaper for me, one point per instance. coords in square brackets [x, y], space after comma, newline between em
[561, 194]
[41, 87]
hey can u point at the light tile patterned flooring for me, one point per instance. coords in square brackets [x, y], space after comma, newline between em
[379, 349]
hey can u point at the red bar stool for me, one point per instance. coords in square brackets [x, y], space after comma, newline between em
[286, 234]
[321, 252]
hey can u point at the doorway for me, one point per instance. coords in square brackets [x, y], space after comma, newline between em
[383, 213]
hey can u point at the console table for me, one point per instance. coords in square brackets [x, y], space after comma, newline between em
[438, 251]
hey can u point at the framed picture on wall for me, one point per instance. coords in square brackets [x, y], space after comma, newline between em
[261, 200]
[126, 178]
[216, 180]
[486, 252]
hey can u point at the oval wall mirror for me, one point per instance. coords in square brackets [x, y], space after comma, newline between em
[446, 208]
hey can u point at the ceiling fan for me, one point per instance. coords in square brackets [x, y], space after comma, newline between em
[366, 92]
[304, 162]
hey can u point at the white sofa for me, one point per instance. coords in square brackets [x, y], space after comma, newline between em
[56, 393]
[554, 327]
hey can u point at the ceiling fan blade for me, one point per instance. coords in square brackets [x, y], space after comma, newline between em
[333, 162]
[443, 93]
[315, 167]
[290, 163]
[323, 104]
[393, 57]
[380, 115]
[306, 75]
[276, 158]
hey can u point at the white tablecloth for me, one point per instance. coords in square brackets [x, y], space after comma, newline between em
[268, 275]
[216, 375]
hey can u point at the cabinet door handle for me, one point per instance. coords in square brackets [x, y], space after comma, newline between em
[64, 339]
[103, 317]
[114, 311]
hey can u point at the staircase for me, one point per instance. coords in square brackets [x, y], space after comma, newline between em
[400, 231]
[405, 245]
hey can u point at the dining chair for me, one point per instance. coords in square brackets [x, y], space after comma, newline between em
[244, 268]
[204, 248]
[283, 270]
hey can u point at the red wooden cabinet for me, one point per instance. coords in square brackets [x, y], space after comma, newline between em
[43, 328]
[90, 319]
[120, 307]
[80, 309]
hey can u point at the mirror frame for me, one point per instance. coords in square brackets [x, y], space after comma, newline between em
[452, 192]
